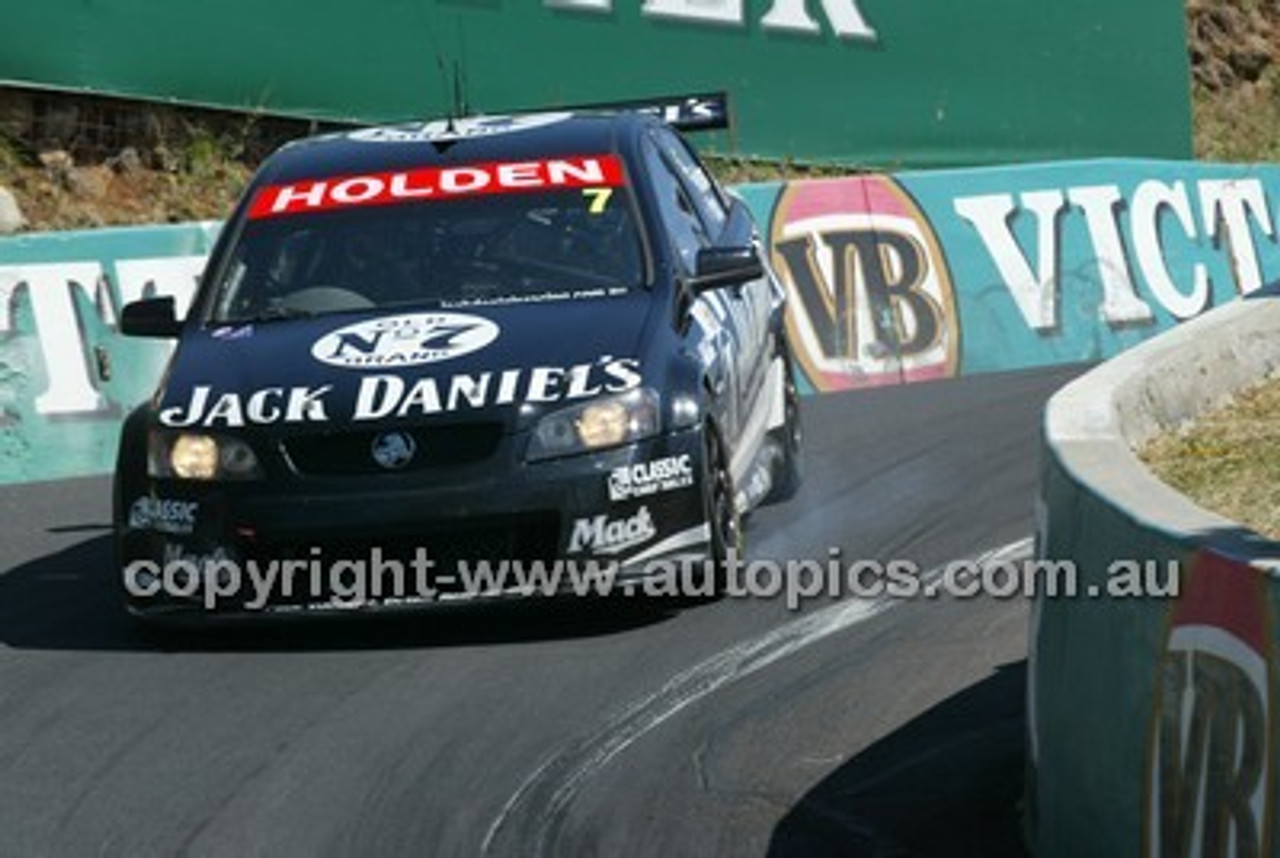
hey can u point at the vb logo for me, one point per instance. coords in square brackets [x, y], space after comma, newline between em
[871, 297]
[1210, 745]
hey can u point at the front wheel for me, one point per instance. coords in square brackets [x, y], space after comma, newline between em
[720, 502]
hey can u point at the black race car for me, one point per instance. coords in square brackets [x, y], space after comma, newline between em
[531, 338]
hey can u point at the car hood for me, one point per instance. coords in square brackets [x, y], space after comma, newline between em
[509, 364]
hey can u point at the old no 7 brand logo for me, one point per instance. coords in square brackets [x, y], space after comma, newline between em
[407, 340]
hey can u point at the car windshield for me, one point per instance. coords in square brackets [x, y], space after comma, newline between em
[497, 248]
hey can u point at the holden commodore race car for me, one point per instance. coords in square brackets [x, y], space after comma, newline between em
[543, 337]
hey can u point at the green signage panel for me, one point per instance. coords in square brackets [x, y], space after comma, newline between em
[879, 82]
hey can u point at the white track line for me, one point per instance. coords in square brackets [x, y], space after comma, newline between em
[546, 794]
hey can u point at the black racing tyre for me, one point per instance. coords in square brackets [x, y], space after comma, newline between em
[719, 499]
[788, 468]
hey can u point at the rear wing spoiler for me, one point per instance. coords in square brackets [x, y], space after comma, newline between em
[706, 111]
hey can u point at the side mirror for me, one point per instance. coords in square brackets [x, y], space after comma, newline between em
[733, 265]
[151, 317]
[733, 259]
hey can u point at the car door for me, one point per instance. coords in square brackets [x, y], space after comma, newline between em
[743, 309]
[734, 319]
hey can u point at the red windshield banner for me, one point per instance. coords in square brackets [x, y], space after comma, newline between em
[435, 183]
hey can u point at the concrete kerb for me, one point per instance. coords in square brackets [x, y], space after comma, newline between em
[1093, 425]
[1104, 692]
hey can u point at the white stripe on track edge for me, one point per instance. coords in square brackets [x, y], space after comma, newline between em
[545, 796]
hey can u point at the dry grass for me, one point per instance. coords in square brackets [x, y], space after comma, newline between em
[97, 196]
[1228, 460]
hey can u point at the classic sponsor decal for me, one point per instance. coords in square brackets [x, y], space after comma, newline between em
[871, 300]
[457, 129]
[603, 535]
[650, 478]
[383, 395]
[1209, 754]
[407, 340]
[175, 517]
[427, 183]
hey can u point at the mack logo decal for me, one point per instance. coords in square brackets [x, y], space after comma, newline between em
[408, 340]
[603, 535]
[649, 478]
[384, 395]
[163, 516]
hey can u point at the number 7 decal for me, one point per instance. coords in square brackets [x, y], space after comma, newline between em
[599, 199]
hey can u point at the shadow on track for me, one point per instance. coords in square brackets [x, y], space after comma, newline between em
[949, 782]
[69, 600]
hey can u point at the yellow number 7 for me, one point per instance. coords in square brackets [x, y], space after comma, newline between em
[599, 198]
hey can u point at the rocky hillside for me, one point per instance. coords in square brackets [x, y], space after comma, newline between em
[69, 162]
[1235, 61]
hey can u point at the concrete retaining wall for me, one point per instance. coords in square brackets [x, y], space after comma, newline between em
[1152, 692]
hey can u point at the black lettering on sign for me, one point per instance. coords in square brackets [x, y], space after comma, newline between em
[1211, 738]
[891, 268]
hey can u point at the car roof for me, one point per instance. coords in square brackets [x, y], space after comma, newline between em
[443, 142]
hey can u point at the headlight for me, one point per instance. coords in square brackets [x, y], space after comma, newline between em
[196, 456]
[606, 422]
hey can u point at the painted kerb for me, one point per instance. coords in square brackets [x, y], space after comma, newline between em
[1151, 721]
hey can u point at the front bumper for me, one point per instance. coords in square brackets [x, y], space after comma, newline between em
[623, 510]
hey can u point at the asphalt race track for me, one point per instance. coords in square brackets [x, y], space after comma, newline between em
[562, 729]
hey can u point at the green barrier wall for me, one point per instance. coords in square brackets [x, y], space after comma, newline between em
[879, 82]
